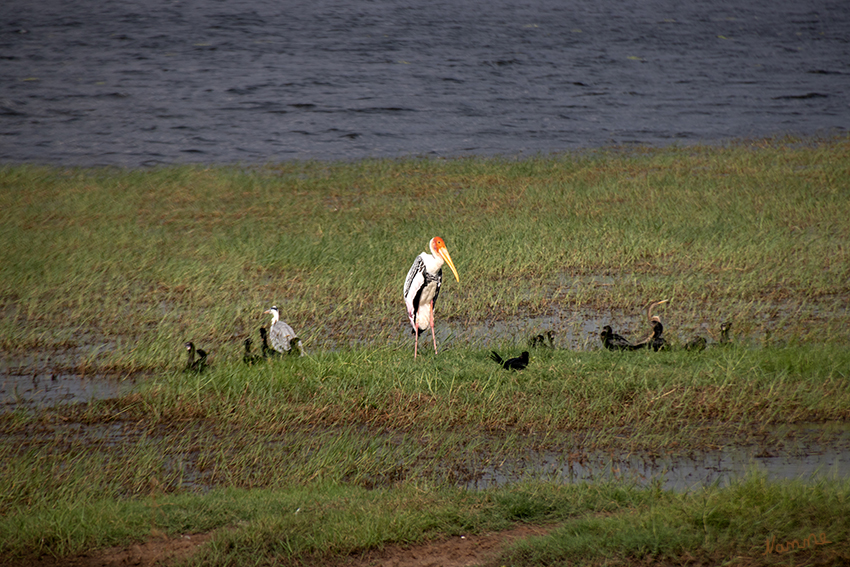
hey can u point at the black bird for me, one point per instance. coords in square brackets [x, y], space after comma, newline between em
[655, 341]
[267, 350]
[699, 343]
[543, 341]
[724, 332]
[193, 365]
[696, 344]
[613, 341]
[516, 363]
[249, 357]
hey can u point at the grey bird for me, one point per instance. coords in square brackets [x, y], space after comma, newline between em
[281, 335]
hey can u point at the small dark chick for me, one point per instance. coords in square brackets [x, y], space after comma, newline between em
[193, 364]
[516, 363]
[249, 357]
[696, 344]
[725, 327]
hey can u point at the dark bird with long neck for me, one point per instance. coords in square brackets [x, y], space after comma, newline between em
[654, 341]
[193, 364]
[249, 357]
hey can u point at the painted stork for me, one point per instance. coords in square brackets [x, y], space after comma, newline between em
[516, 363]
[281, 334]
[422, 287]
[193, 365]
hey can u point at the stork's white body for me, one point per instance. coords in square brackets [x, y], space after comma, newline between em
[422, 287]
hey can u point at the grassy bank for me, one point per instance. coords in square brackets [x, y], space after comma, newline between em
[750, 522]
[106, 273]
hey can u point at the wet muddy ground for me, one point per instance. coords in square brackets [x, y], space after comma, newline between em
[805, 458]
[794, 451]
[44, 381]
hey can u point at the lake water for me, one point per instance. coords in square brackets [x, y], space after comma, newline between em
[86, 82]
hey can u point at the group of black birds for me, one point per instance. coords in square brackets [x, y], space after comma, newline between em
[280, 334]
[283, 338]
[656, 341]
[613, 341]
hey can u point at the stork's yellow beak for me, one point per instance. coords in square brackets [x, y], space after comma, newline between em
[444, 252]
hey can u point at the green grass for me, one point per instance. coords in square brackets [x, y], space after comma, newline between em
[740, 523]
[136, 262]
[588, 524]
[108, 272]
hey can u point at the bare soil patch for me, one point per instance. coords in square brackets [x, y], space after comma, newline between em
[458, 551]
[157, 551]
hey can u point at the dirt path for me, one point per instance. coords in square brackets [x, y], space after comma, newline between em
[459, 551]
[156, 551]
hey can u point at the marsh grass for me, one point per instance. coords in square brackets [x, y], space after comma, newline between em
[109, 272]
[97, 474]
[145, 260]
[651, 395]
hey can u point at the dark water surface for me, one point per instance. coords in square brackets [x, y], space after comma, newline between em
[165, 81]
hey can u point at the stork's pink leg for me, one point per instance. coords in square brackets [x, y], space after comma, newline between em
[416, 343]
[433, 336]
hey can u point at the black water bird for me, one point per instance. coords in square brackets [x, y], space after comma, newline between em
[193, 364]
[268, 352]
[516, 363]
[700, 343]
[543, 341]
[249, 357]
[655, 341]
[725, 327]
[613, 341]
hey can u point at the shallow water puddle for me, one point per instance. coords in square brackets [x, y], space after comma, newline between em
[805, 460]
[46, 390]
